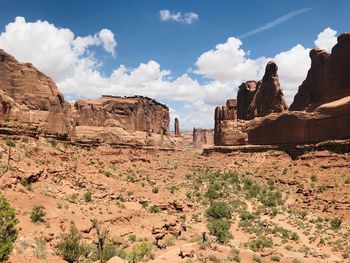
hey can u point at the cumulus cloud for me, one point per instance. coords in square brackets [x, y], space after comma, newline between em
[68, 59]
[187, 18]
[230, 63]
[326, 39]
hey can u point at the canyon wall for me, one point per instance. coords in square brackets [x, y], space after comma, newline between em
[32, 100]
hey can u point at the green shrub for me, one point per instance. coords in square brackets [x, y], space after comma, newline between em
[221, 229]
[219, 210]
[53, 143]
[37, 214]
[10, 143]
[336, 223]
[260, 243]
[140, 252]
[88, 196]
[8, 231]
[213, 191]
[132, 238]
[154, 209]
[70, 247]
[155, 189]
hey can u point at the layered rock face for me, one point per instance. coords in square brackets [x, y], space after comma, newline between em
[27, 95]
[203, 137]
[227, 130]
[245, 97]
[269, 96]
[328, 78]
[325, 94]
[131, 113]
[33, 104]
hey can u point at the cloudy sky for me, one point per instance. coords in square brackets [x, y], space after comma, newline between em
[191, 55]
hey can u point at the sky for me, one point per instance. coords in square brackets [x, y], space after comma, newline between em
[191, 55]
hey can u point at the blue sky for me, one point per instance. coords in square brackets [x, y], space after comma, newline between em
[175, 46]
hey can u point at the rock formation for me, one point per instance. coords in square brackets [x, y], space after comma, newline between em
[31, 104]
[245, 97]
[227, 130]
[325, 94]
[177, 128]
[27, 95]
[131, 113]
[328, 78]
[203, 137]
[222, 114]
[269, 96]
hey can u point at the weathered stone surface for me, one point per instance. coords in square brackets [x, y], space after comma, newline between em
[131, 113]
[203, 137]
[245, 97]
[269, 96]
[27, 95]
[227, 112]
[177, 128]
[329, 121]
[327, 79]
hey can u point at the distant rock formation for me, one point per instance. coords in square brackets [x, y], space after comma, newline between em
[328, 79]
[202, 137]
[245, 97]
[269, 96]
[131, 113]
[177, 128]
[27, 95]
[32, 100]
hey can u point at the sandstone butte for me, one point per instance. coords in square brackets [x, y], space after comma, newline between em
[320, 110]
[32, 101]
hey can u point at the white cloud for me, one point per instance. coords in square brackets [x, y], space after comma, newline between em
[187, 18]
[230, 63]
[67, 58]
[326, 39]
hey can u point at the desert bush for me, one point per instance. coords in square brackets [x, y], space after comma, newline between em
[219, 210]
[221, 229]
[88, 196]
[141, 251]
[336, 223]
[37, 214]
[155, 189]
[154, 209]
[260, 243]
[71, 247]
[8, 231]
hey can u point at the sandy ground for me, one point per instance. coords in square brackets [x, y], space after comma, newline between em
[126, 184]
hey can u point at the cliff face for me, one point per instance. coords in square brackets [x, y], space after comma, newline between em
[324, 94]
[131, 113]
[327, 79]
[27, 95]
